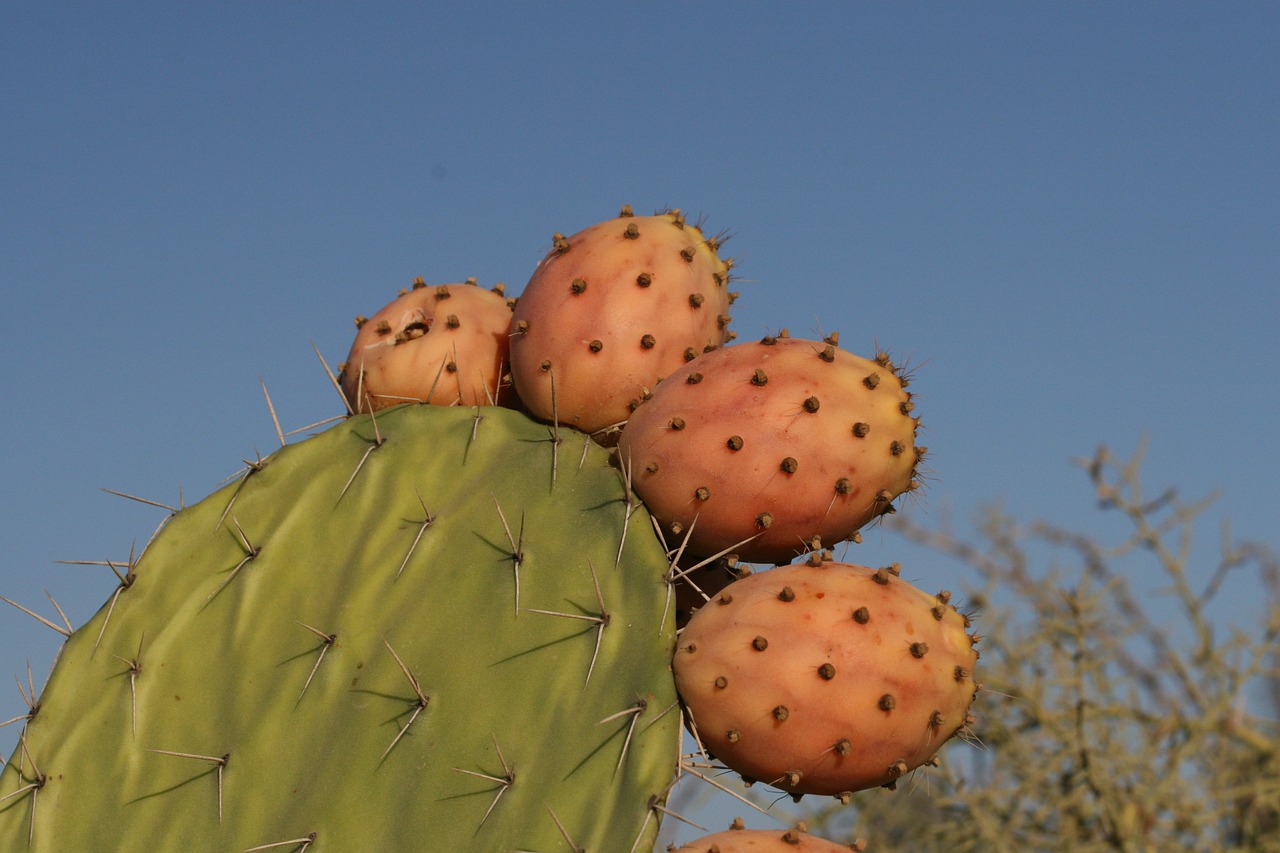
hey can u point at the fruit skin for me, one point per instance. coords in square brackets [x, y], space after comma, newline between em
[444, 344]
[794, 840]
[825, 677]
[340, 541]
[776, 442]
[610, 311]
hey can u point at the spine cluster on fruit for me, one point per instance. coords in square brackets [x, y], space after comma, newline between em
[454, 618]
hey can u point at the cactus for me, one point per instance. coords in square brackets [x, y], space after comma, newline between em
[431, 627]
[613, 309]
[375, 639]
[826, 678]
[444, 344]
[761, 447]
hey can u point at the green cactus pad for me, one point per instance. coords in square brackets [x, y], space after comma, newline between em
[329, 654]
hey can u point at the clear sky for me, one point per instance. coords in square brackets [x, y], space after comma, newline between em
[1067, 214]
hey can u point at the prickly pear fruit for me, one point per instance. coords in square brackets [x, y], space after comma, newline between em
[444, 344]
[697, 580]
[794, 840]
[761, 447]
[826, 678]
[404, 633]
[610, 311]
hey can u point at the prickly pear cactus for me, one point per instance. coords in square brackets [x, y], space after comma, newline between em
[761, 447]
[613, 309]
[444, 344]
[739, 840]
[433, 630]
[453, 628]
[826, 677]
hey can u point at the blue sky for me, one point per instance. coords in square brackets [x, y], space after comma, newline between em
[1067, 214]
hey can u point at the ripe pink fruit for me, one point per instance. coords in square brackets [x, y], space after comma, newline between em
[610, 311]
[444, 344]
[826, 678]
[775, 442]
[794, 840]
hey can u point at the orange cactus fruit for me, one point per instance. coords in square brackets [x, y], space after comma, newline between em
[443, 344]
[610, 311]
[736, 840]
[825, 677]
[761, 447]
